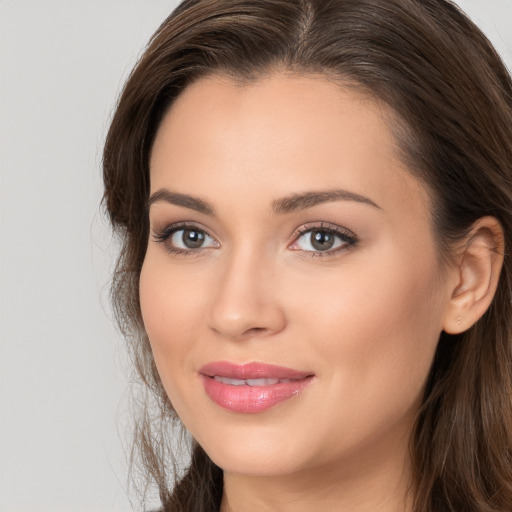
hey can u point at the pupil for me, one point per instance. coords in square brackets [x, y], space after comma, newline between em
[193, 239]
[321, 240]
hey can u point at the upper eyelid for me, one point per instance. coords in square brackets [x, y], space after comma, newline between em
[322, 225]
[344, 234]
[176, 226]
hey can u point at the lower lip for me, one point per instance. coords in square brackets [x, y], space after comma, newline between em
[251, 399]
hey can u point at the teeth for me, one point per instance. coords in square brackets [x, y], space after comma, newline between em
[232, 382]
[250, 382]
[262, 382]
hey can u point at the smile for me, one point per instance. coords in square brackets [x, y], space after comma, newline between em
[252, 387]
[251, 382]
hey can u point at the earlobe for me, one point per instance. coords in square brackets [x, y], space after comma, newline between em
[478, 270]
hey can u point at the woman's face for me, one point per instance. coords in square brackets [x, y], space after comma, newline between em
[291, 288]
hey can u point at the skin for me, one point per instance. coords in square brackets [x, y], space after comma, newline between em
[365, 319]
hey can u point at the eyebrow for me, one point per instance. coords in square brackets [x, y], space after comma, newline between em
[194, 203]
[306, 200]
[301, 201]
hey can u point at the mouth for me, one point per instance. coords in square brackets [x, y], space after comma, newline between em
[251, 382]
[252, 387]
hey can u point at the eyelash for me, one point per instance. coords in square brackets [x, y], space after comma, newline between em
[347, 237]
[164, 235]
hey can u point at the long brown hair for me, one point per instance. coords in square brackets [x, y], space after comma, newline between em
[452, 100]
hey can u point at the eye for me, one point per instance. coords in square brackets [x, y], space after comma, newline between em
[181, 239]
[323, 239]
[190, 239]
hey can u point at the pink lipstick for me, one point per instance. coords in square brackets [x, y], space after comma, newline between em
[252, 387]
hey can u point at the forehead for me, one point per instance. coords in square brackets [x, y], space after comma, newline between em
[278, 135]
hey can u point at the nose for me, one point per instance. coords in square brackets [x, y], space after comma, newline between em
[245, 304]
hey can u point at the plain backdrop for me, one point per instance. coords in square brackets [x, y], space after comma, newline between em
[63, 384]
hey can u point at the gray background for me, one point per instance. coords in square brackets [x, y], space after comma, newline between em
[63, 376]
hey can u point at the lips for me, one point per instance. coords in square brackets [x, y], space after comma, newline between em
[252, 387]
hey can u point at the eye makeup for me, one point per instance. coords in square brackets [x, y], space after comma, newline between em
[185, 239]
[325, 239]
[315, 239]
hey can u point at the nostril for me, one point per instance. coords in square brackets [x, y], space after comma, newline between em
[255, 331]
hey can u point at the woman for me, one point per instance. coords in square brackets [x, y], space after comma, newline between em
[314, 202]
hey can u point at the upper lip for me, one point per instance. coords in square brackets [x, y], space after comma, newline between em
[252, 370]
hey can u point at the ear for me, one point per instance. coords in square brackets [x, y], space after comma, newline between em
[477, 272]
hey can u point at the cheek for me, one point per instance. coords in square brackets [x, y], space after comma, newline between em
[375, 333]
[171, 310]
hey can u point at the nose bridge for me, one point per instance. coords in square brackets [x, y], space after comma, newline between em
[245, 303]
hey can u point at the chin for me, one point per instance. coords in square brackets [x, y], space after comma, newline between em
[250, 464]
[255, 454]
